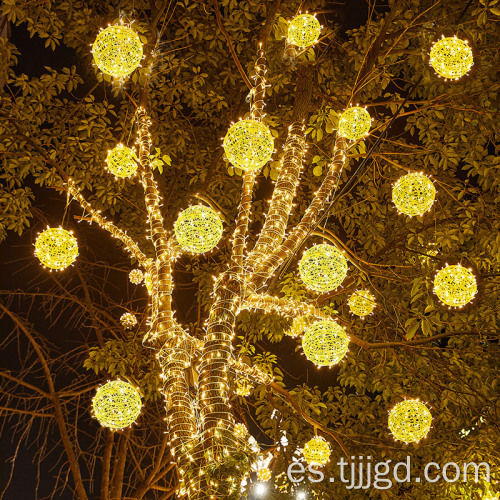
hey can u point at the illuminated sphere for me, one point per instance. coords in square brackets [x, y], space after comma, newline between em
[117, 404]
[248, 144]
[198, 229]
[354, 123]
[455, 285]
[243, 387]
[323, 268]
[128, 320]
[303, 30]
[117, 51]
[361, 303]
[317, 451]
[240, 431]
[136, 276]
[263, 474]
[299, 324]
[121, 161]
[56, 248]
[325, 343]
[413, 194]
[410, 421]
[451, 57]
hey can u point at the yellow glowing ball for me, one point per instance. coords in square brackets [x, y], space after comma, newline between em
[198, 229]
[248, 144]
[413, 194]
[240, 431]
[317, 451]
[299, 324]
[243, 387]
[263, 474]
[117, 51]
[121, 161]
[323, 268]
[136, 276]
[451, 57]
[354, 123]
[325, 343]
[128, 320]
[455, 285]
[361, 303]
[303, 30]
[117, 404]
[56, 248]
[410, 421]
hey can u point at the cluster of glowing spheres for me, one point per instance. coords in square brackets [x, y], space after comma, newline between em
[303, 30]
[243, 387]
[325, 343]
[263, 474]
[451, 57]
[299, 324]
[361, 303]
[248, 144]
[198, 229]
[128, 320]
[117, 51]
[455, 285]
[117, 404]
[136, 276]
[323, 268]
[316, 451]
[354, 123]
[410, 421]
[121, 161]
[413, 194]
[56, 248]
[240, 431]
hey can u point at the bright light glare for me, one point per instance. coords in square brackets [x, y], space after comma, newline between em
[260, 489]
[301, 495]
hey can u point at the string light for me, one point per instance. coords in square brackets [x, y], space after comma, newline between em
[361, 303]
[56, 248]
[316, 451]
[413, 194]
[325, 343]
[303, 30]
[117, 404]
[240, 431]
[136, 276]
[243, 387]
[128, 320]
[299, 324]
[354, 123]
[455, 286]
[121, 161]
[323, 268]
[451, 57]
[264, 474]
[410, 421]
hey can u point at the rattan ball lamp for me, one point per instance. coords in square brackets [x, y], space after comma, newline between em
[455, 285]
[410, 421]
[413, 194]
[263, 474]
[316, 451]
[361, 303]
[121, 161]
[303, 30]
[354, 123]
[451, 57]
[56, 248]
[136, 276]
[325, 343]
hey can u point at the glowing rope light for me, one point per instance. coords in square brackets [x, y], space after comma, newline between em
[240, 431]
[303, 30]
[121, 161]
[56, 248]
[455, 285]
[354, 123]
[136, 276]
[128, 320]
[361, 303]
[325, 343]
[317, 451]
[117, 51]
[243, 387]
[264, 474]
[413, 194]
[451, 57]
[410, 421]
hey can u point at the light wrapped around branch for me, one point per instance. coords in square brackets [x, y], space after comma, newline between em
[121, 161]
[413, 194]
[56, 248]
[451, 57]
[117, 51]
[264, 474]
[128, 320]
[248, 144]
[317, 451]
[455, 285]
[303, 30]
[240, 431]
[136, 276]
[243, 387]
[117, 404]
[325, 343]
[323, 268]
[361, 303]
[198, 229]
[410, 421]
[354, 123]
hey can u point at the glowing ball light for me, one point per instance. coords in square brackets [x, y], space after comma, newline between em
[198, 229]
[361, 303]
[56, 248]
[410, 421]
[117, 404]
[299, 324]
[354, 123]
[455, 285]
[117, 51]
[121, 161]
[316, 451]
[323, 268]
[325, 343]
[451, 57]
[413, 194]
[240, 431]
[248, 144]
[263, 474]
[136, 276]
[128, 320]
[303, 30]
[243, 387]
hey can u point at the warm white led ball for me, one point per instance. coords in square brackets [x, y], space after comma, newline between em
[263, 474]
[325, 343]
[121, 161]
[56, 248]
[136, 276]
[354, 123]
[303, 30]
[316, 451]
[455, 285]
[128, 320]
[410, 421]
[361, 303]
[413, 194]
[451, 57]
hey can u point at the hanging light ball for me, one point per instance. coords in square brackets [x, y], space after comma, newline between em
[117, 404]
[240, 431]
[243, 387]
[451, 57]
[117, 51]
[361, 303]
[198, 229]
[354, 123]
[263, 474]
[56, 248]
[299, 324]
[303, 30]
[121, 161]
[413, 194]
[316, 451]
[410, 421]
[136, 276]
[323, 267]
[248, 144]
[455, 285]
[325, 343]
[128, 320]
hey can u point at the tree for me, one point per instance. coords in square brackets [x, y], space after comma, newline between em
[56, 130]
